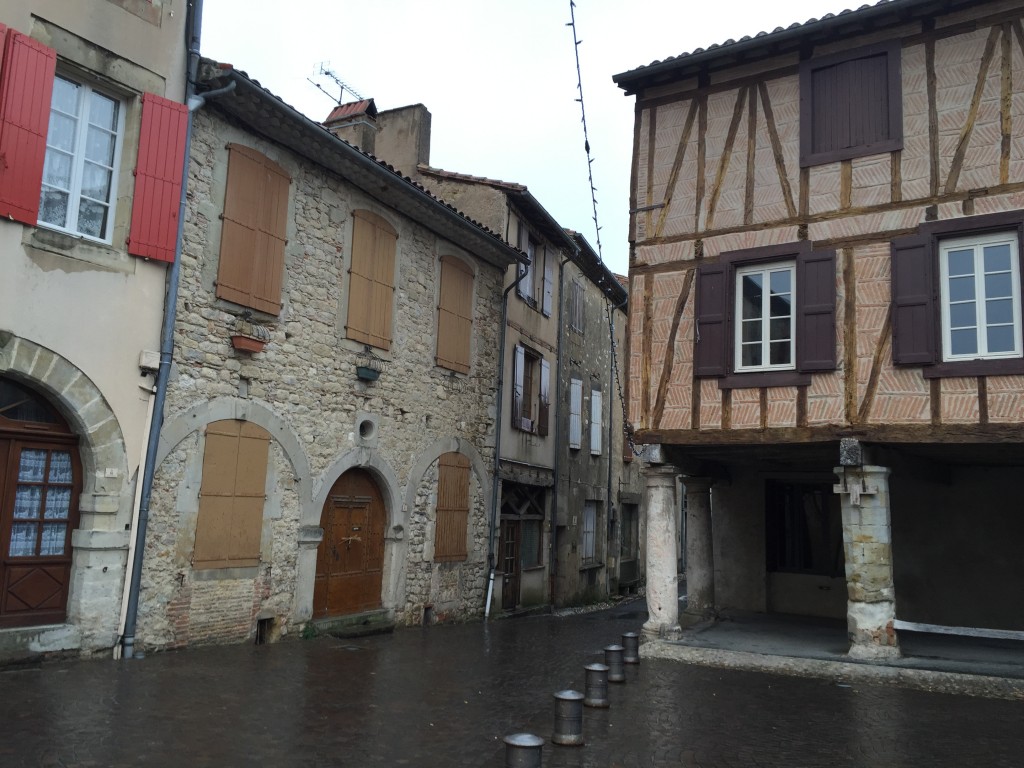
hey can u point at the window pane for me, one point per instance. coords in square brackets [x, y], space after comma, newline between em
[65, 96]
[99, 146]
[1000, 338]
[61, 133]
[23, 540]
[60, 467]
[780, 329]
[998, 286]
[31, 466]
[781, 281]
[96, 182]
[57, 169]
[751, 354]
[961, 262]
[961, 288]
[781, 306]
[997, 258]
[54, 535]
[962, 315]
[92, 218]
[999, 311]
[530, 543]
[751, 331]
[102, 111]
[779, 353]
[752, 296]
[963, 342]
[53, 207]
[27, 502]
[58, 503]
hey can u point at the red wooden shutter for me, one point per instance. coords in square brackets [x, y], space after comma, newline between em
[154, 229]
[544, 406]
[913, 301]
[816, 311]
[26, 85]
[549, 283]
[518, 367]
[710, 342]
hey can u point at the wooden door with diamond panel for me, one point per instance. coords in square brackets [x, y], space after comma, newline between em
[350, 558]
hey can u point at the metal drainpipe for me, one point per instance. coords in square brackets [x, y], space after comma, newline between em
[558, 430]
[193, 31]
[497, 438]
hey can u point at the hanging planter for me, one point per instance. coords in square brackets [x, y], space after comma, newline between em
[247, 343]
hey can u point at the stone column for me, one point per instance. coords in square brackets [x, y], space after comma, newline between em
[700, 558]
[661, 510]
[867, 546]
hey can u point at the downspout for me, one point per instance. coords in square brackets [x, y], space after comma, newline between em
[558, 427]
[611, 373]
[496, 476]
[193, 29]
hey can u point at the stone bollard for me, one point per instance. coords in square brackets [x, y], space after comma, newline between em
[631, 646]
[568, 718]
[597, 686]
[613, 658]
[523, 750]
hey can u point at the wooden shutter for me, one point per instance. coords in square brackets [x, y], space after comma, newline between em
[575, 413]
[255, 223]
[549, 283]
[816, 311]
[371, 280]
[232, 495]
[518, 369]
[455, 315]
[158, 172]
[523, 243]
[913, 301]
[710, 342]
[452, 508]
[596, 421]
[544, 401]
[26, 86]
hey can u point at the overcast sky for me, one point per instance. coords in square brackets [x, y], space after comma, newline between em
[498, 76]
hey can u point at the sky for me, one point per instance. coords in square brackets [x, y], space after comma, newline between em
[498, 77]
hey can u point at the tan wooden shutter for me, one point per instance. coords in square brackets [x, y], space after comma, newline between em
[371, 280]
[452, 507]
[455, 315]
[232, 495]
[255, 223]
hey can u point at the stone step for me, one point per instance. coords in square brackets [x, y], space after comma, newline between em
[376, 622]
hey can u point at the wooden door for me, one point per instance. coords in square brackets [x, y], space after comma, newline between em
[510, 563]
[350, 558]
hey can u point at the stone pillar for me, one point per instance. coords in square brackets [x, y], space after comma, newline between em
[661, 510]
[700, 558]
[867, 546]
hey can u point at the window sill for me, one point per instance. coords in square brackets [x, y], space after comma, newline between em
[1003, 367]
[591, 567]
[41, 241]
[527, 568]
[765, 379]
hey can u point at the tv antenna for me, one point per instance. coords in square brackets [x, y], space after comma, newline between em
[325, 71]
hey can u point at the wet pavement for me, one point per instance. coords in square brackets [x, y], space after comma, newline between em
[446, 695]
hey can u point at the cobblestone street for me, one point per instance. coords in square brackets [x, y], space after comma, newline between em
[445, 696]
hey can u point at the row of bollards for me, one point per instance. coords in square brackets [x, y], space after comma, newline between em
[524, 750]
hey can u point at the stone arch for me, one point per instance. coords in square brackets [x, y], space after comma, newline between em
[433, 452]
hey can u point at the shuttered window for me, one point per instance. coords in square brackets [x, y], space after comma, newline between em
[455, 315]
[26, 85]
[588, 535]
[575, 413]
[548, 286]
[232, 495]
[913, 301]
[531, 391]
[576, 307]
[158, 172]
[452, 508]
[737, 315]
[254, 227]
[596, 422]
[371, 280]
[851, 104]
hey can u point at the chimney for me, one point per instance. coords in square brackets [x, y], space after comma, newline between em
[403, 140]
[356, 123]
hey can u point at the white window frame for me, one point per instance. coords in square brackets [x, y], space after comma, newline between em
[588, 533]
[977, 244]
[575, 413]
[78, 162]
[596, 421]
[765, 319]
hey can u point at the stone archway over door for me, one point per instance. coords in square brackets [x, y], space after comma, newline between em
[350, 558]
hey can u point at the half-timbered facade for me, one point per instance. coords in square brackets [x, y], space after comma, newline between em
[826, 317]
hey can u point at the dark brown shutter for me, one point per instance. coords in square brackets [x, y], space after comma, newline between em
[452, 507]
[913, 301]
[544, 405]
[518, 366]
[816, 311]
[710, 342]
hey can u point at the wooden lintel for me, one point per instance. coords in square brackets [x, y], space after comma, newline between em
[874, 433]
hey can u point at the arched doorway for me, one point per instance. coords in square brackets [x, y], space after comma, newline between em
[350, 558]
[40, 482]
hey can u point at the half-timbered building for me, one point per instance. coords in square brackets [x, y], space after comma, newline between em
[825, 319]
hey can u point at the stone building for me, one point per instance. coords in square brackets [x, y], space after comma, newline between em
[566, 501]
[92, 144]
[327, 450]
[826, 333]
